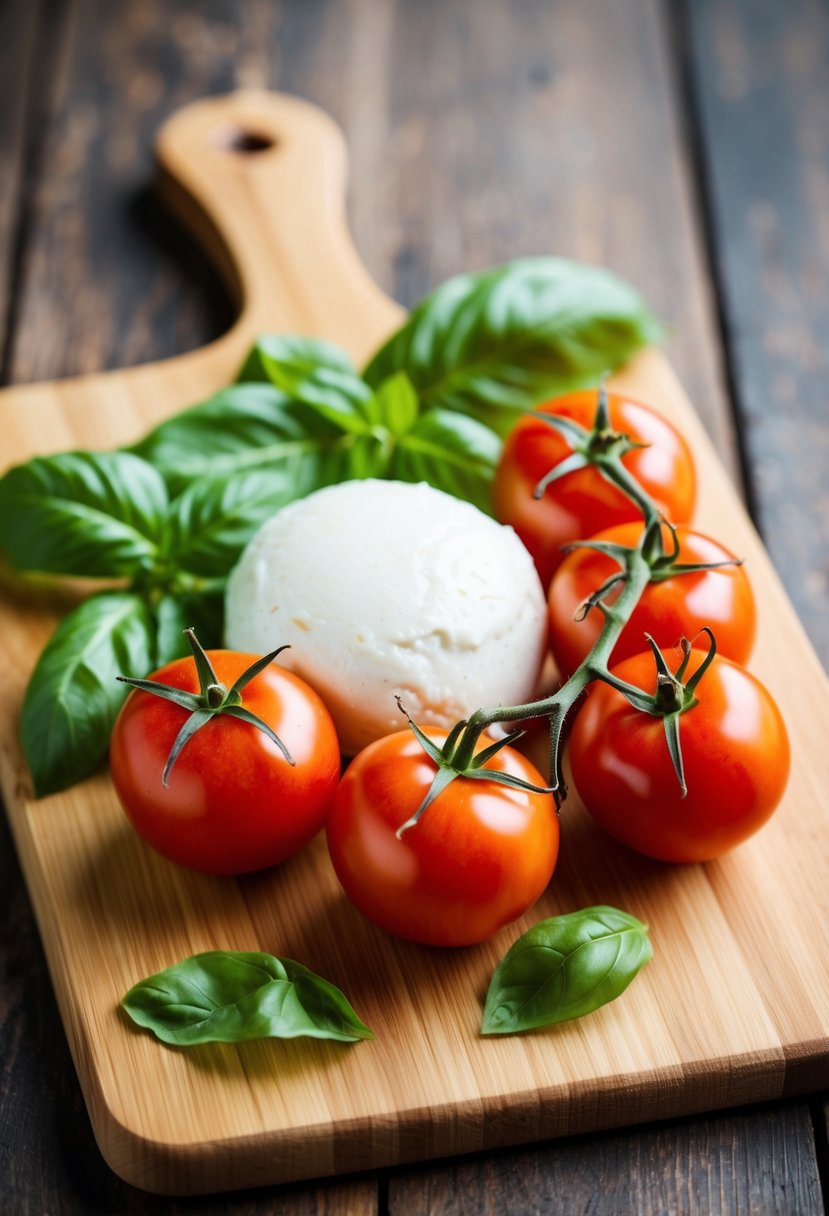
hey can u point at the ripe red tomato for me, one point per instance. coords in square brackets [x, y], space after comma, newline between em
[480, 855]
[668, 610]
[233, 803]
[583, 502]
[736, 758]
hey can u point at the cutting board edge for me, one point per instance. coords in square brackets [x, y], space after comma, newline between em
[378, 1142]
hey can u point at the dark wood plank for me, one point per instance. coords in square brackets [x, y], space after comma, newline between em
[758, 1162]
[18, 32]
[473, 138]
[759, 73]
[108, 278]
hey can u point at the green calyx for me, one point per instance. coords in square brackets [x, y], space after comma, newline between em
[673, 695]
[212, 699]
[601, 447]
[453, 760]
[664, 562]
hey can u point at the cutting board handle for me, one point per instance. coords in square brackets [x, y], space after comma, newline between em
[260, 178]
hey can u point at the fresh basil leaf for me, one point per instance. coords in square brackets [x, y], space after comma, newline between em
[397, 405]
[315, 372]
[171, 618]
[285, 359]
[98, 515]
[214, 518]
[453, 452]
[500, 341]
[565, 967]
[226, 996]
[73, 696]
[343, 398]
[243, 427]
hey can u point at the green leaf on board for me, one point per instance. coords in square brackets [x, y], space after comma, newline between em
[565, 967]
[231, 996]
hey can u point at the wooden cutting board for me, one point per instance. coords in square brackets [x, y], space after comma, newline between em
[734, 1007]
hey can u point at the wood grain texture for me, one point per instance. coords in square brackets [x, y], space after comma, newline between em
[331, 52]
[727, 1014]
[759, 73]
[742, 1163]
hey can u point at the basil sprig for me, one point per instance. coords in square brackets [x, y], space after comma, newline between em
[170, 516]
[110, 516]
[225, 996]
[565, 967]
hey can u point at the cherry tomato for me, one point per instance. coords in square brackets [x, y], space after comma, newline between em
[583, 502]
[668, 609]
[735, 752]
[479, 856]
[233, 802]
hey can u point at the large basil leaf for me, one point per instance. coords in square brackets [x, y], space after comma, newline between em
[565, 967]
[453, 452]
[284, 360]
[98, 515]
[228, 996]
[214, 518]
[73, 696]
[248, 426]
[498, 342]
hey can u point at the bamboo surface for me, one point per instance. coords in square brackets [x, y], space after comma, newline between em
[734, 1007]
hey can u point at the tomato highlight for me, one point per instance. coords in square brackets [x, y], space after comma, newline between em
[672, 606]
[476, 859]
[735, 754]
[234, 801]
[583, 502]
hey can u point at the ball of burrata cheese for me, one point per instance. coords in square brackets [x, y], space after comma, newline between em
[384, 589]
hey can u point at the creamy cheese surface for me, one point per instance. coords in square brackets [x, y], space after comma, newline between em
[383, 588]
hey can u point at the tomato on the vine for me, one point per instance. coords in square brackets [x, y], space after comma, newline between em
[583, 502]
[670, 608]
[735, 752]
[234, 802]
[479, 856]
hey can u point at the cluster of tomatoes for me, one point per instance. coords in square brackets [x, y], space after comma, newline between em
[485, 849]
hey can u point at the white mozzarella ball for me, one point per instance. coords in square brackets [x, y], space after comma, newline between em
[384, 588]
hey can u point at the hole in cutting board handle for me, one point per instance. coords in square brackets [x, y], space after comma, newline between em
[247, 143]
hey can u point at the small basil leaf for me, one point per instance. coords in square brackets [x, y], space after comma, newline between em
[497, 342]
[98, 515]
[370, 456]
[228, 996]
[243, 427]
[214, 518]
[453, 452]
[565, 967]
[285, 359]
[315, 372]
[397, 404]
[171, 619]
[73, 696]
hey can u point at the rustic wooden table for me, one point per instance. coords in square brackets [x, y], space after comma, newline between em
[685, 145]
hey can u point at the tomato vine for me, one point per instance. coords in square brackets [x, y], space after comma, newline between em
[639, 564]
